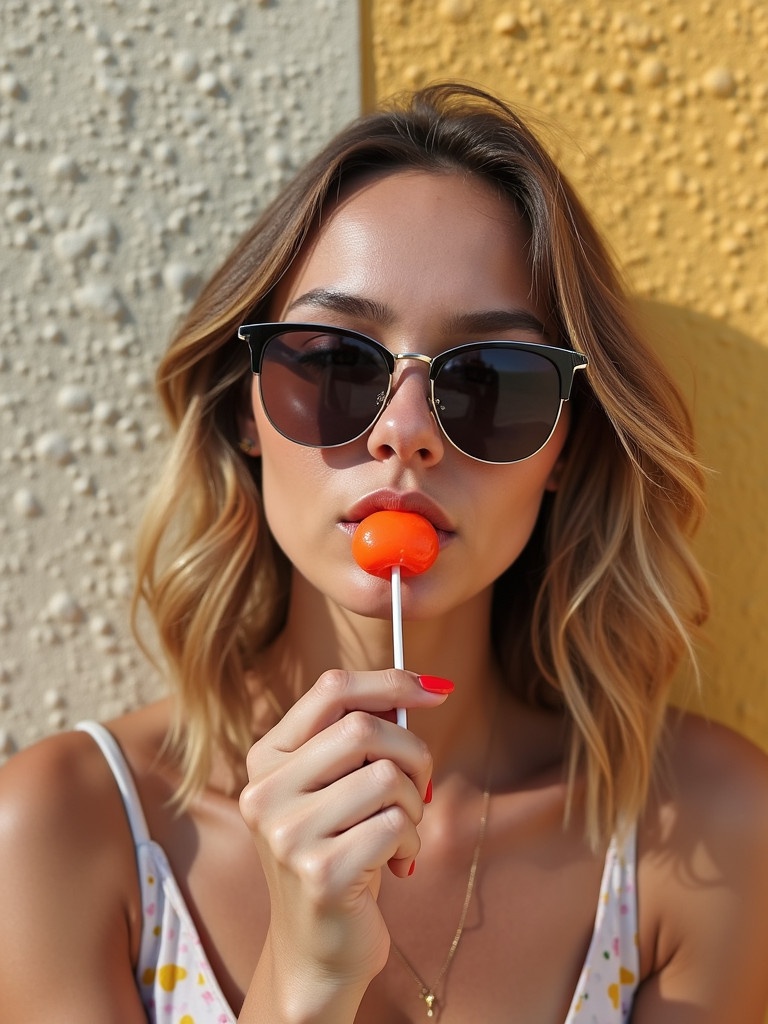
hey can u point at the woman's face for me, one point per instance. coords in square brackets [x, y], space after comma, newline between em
[422, 262]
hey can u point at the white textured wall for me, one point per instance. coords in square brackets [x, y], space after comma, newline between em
[138, 138]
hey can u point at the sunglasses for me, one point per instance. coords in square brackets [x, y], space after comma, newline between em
[496, 401]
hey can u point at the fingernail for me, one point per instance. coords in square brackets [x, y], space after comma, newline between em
[428, 794]
[412, 868]
[436, 684]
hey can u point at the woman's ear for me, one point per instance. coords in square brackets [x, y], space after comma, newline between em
[246, 425]
[249, 446]
[553, 480]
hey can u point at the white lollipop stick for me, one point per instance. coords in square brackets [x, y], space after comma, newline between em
[388, 540]
[397, 634]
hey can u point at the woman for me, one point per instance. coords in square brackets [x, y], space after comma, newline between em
[546, 841]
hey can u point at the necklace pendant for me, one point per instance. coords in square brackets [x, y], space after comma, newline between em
[429, 998]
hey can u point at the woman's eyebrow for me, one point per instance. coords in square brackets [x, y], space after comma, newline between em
[330, 300]
[481, 321]
[486, 321]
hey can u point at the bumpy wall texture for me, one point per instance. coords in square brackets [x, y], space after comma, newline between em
[139, 137]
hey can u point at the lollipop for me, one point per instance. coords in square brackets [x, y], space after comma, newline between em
[387, 543]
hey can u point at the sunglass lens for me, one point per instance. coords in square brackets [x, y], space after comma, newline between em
[322, 389]
[497, 404]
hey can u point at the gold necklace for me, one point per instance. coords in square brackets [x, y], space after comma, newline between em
[429, 992]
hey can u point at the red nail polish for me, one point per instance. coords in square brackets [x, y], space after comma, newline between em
[428, 794]
[412, 868]
[436, 684]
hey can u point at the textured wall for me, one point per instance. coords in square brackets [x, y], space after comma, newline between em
[138, 138]
[658, 112]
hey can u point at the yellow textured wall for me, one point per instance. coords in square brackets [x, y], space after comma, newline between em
[657, 111]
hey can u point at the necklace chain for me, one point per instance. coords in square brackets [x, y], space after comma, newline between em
[429, 992]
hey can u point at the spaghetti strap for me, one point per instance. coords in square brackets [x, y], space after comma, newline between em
[114, 757]
[173, 975]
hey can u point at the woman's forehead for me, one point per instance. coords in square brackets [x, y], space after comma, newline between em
[413, 237]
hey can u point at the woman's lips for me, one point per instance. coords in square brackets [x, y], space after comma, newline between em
[394, 501]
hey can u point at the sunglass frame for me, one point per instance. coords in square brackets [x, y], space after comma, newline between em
[565, 360]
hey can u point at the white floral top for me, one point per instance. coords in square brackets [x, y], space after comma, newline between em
[177, 985]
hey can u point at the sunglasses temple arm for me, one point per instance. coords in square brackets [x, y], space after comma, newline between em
[397, 634]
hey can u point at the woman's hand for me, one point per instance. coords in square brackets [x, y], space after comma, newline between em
[335, 793]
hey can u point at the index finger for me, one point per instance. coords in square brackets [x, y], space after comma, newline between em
[337, 692]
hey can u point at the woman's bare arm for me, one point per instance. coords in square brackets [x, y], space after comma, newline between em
[68, 889]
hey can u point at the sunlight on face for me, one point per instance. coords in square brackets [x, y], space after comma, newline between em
[421, 262]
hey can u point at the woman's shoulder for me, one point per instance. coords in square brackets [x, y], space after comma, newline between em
[710, 792]
[702, 882]
[54, 786]
[710, 774]
[59, 800]
[63, 780]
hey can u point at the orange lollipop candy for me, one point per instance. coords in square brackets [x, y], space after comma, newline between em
[386, 539]
[391, 541]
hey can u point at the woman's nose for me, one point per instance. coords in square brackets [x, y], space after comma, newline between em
[407, 427]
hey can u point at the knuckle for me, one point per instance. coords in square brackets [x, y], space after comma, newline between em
[358, 727]
[283, 840]
[386, 773]
[394, 679]
[245, 803]
[258, 790]
[258, 803]
[317, 873]
[254, 761]
[282, 836]
[252, 803]
[395, 820]
[333, 684]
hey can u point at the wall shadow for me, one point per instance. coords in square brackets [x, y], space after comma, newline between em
[724, 375]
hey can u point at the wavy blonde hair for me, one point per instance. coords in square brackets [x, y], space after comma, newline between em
[598, 611]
